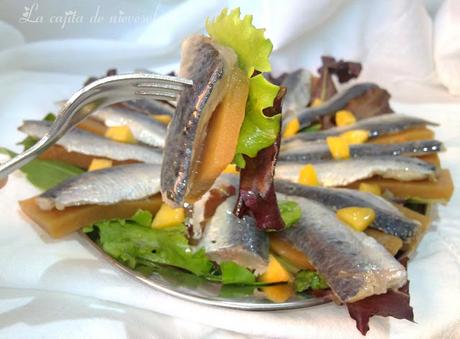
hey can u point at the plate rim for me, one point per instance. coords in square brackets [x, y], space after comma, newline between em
[237, 305]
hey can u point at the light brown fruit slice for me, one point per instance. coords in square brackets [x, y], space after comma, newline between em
[425, 223]
[440, 190]
[60, 223]
[391, 243]
[286, 250]
[222, 138]
[93, 126]
[56, 152]
[413, 134]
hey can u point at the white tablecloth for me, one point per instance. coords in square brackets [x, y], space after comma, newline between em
[61, 288]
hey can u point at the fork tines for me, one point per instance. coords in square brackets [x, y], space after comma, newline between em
[163, 87]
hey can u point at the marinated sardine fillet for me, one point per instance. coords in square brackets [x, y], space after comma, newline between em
[228, 238]
[332, 173]
[77, 140]
[330, 107]
[104, 187]
[376, 126]
[192, 161]
[388, 218]
[354, 265]
[305, 151]
[145, 129]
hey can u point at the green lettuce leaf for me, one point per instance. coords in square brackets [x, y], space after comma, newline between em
[45, 174]
[253, 50]
[290, 212]
[306, 280]
[258, 131]
[233, 273]
[133, 239]
[249, 42]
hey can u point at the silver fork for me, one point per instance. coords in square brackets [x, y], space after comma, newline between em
[102, 92]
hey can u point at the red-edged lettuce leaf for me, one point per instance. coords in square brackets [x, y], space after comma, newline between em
[375, 101]
[391, 304]
[257, 191]
[344, 70]
[323, 87]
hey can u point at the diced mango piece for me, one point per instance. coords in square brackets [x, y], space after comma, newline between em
[339, 147]
[60, 223]
[163, 118]
[222, 136]
[120, 134]
[97, 164]
[356, 217]
[278, 293]
[344, 118]
[357, 136]
[292, 128]
[307, 176]
[275, 272]
[286, 250]
[370, 188]
[231, 169]
[316, 102]
[439, 190]
[168, 216]
[413, 134]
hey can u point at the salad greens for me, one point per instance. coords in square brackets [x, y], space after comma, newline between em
[258, 131]
[248, 42]
[127, 240]
[309, 280]
[45, 174]
[235, 274]
[136, 244]
[290, 212]
[253, 50]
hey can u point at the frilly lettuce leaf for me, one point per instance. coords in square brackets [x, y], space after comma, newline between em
[132, 241]
[249, 42]
[258, 131]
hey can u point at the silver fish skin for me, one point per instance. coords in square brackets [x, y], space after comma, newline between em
[305, 151]
[331, 106]
[229, 238]
[388, 218]
[222, 183]
[377, 126]
[354, 265]
[77, 140]
[298, 85]
[104, 187]
[144, 128]
[148, 107]
[209, 65]
[335, 173]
